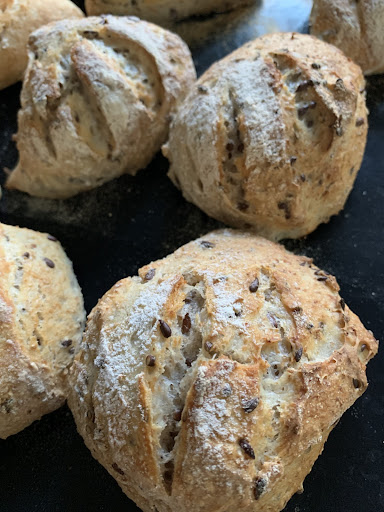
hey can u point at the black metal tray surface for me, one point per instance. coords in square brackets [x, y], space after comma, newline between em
[112, 231]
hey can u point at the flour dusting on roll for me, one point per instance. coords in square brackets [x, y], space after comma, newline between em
[96, 102]
[356, 27]
[211, 380]
[272, 136]
[42, 319]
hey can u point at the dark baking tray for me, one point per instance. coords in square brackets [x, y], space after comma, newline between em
[110, 232]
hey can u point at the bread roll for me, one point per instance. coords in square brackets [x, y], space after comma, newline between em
[96, 102]
[41, 323]
[211, 381]
[163, 11]
[272, 136]
[18, 18]
[354, 26]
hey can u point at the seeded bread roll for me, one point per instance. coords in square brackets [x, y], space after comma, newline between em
[356, 27]
[41, 323]
[18, 18]
[96, 102]
[163, 11]
[272, 136]
[211, 382]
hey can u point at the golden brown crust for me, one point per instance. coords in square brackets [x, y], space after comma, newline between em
[84, 80]
[256, 357]
[272, 136]
[356, 27]
[41, 322]
[18, 18]
[162, 12]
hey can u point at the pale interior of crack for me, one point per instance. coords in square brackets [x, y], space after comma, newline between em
[177, 377]
[312, 115]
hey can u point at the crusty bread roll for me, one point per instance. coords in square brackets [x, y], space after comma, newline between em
[163, 11]
[96, 102]
[18, 18]
[272, 136]
[211, 382]
[41, 323]
[355, 26]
